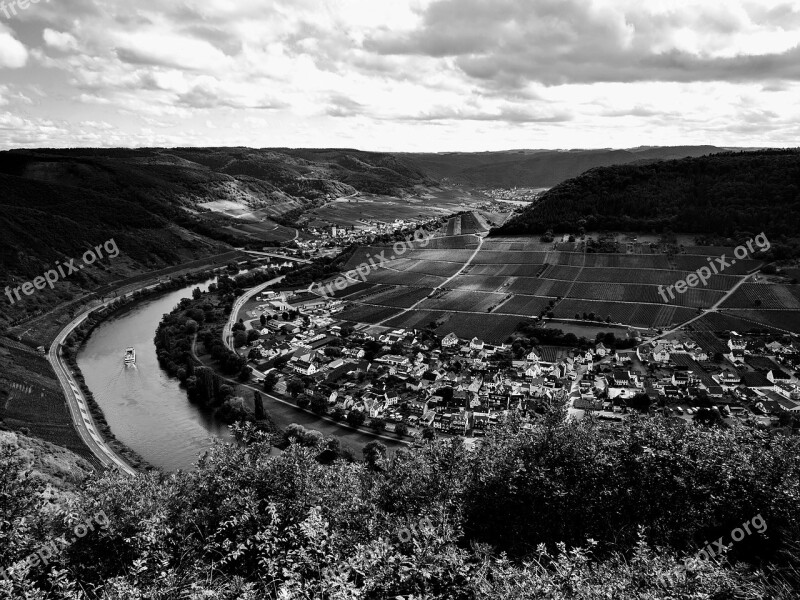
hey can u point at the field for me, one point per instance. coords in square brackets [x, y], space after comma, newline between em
[31, 398]
[361, 210]
[513, 278]
[494, 329]
[762, 295]
[462, 300]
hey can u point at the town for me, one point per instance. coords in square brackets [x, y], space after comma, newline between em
[416, 383]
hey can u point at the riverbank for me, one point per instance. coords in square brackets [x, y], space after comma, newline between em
[80, 335]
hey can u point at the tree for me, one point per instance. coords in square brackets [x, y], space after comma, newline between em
[196, 293]
[377, 424]
[428, 434]
[640, 403]
[244, 374]
[401, 429]
[710, 417]
[356, 418]
[258, 403]
[319, 404]
[263, 320]
[338, 413]
[239, 339]
[294, 387]
[270, 380]
[374, 454]
[252, 335]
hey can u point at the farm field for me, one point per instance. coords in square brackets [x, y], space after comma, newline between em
[426, 267]
[462, 300]
[364, 313]
[515, 277]
[431, 203]
[788, 320]
[528, 306]
[762, 295]
[390, 277]
[727, 321]
[514, 270]
[638, 315]
[494, 329]
[397, 296]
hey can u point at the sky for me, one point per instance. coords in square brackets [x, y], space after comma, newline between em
[399, 75]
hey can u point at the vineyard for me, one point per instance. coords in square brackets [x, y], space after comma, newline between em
[364, 313]
[787, 320]
[760, 295]
[638, 315]
[524, 305]
[513, 276]
[463, 300]
[31, 397]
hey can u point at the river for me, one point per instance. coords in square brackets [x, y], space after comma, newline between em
[148, 410]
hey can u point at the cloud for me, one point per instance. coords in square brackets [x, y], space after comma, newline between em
[211, 93]
[13, 54]
[506, 114]
[169, 50]
[60, 41]
[343, 106]
[515, 42]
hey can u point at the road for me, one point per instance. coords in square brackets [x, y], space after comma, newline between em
[712, 309]
[227, 336]
[78, 407]
[273, 255]
[441, 285]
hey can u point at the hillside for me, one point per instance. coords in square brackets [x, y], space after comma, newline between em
[164, 207]
[539, 168]
[728, 194]
[558, 510]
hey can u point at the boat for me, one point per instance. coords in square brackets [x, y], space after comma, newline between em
[130, 356]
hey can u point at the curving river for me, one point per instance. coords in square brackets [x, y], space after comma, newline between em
[147, 410]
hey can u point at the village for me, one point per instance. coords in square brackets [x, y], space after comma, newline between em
[416, 383]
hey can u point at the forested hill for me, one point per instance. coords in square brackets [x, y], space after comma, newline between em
[729, 194]
[539, 168]
[56, 202]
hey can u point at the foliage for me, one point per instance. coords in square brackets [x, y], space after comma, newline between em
[512, 519]
[731, 194]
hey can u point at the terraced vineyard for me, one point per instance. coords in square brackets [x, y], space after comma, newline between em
[451, 287]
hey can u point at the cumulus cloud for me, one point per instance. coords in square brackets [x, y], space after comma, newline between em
[60, 40]
[13, 54]
[403, 74]
[514, 42]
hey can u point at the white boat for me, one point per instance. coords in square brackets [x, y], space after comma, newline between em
[130, 356]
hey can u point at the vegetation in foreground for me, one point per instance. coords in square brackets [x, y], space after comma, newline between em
[562, 510]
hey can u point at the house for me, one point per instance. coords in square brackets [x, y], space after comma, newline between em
[776, 375]
[660, 353]
[304, 367]
[450, 340]
[601, 350]
[476, 344]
